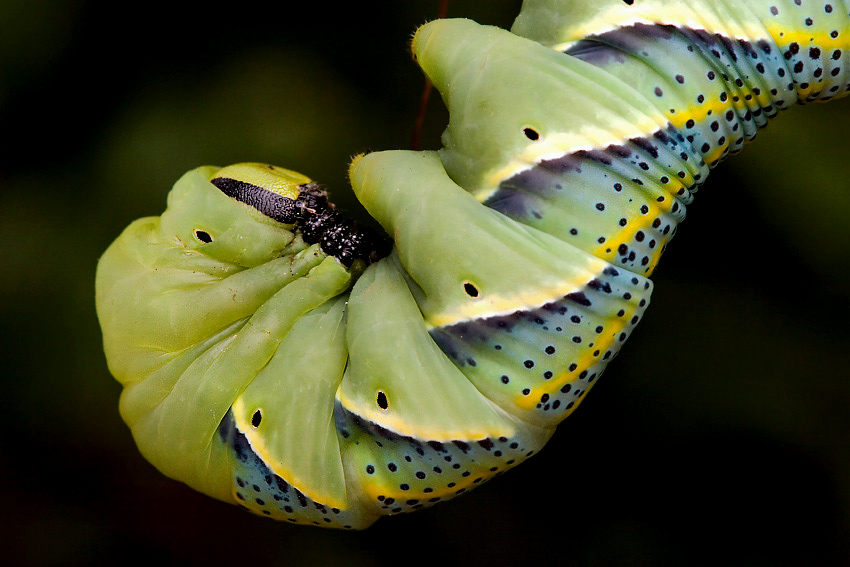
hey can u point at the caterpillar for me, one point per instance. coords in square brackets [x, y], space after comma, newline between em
[277, 356]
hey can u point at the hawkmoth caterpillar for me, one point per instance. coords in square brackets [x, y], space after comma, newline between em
[265, 363]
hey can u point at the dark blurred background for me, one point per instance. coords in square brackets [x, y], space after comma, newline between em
[720, 436]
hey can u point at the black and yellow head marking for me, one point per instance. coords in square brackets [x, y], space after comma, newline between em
[291, 198]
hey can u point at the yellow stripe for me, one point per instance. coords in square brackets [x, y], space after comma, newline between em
[700, 112]
[558, 144]
[626, 235]
[644, 223]
[279, 468]
[395, 422]
[530, 401]
[678, 16]
[784, 37]
[535, 295]
[717, 154]
[373, 489]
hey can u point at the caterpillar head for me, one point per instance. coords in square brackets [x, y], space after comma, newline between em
[243, 214]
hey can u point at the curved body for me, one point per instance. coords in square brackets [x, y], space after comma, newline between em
[267, 370]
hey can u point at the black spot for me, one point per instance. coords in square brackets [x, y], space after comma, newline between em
[256, 418]
[382, 400]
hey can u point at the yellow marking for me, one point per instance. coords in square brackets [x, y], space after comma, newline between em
[783, 37]
[625, 235]
[495, 304]
[557, 144]
[644, 222]
[374, 489]
[706, 20]
[699, 112]
[530, 401]
[282, 181]
[279, 468]
[395, 422]
[715, 155]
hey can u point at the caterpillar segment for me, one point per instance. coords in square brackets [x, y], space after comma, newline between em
[605, 171]
[718, 69]
[414, 430]
[281, 428]
[528, 319]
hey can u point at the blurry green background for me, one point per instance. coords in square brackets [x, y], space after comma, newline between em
[721, 435]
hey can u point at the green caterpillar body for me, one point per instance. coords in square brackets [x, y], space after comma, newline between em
[263, 364]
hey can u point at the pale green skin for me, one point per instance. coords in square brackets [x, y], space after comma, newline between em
[482, 72]
[187, 325]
